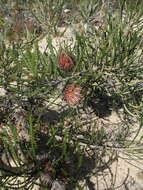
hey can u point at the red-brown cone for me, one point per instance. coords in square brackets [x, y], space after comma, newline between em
[65, 62]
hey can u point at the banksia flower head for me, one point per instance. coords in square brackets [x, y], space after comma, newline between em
[18, 26]
[46, 179]
[30, 25]
[65, 62]
[72, 94]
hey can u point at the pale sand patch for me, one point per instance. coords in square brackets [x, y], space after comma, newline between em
[66, 40]
[124, 176]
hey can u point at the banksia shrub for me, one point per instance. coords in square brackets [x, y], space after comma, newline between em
[62, 113]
